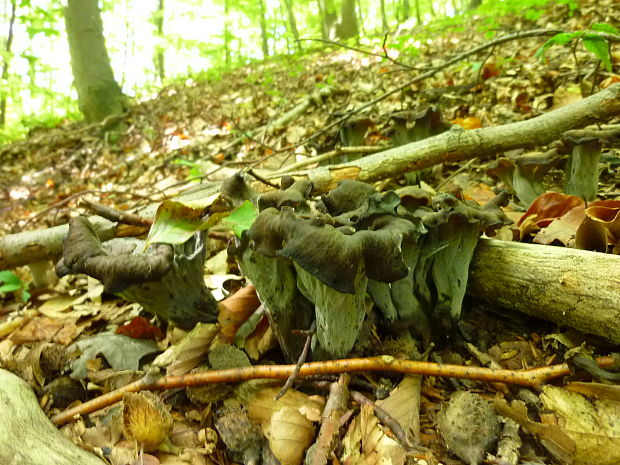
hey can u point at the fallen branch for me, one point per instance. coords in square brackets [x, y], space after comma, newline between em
[531, 377]
[458, 144]
[574, 288]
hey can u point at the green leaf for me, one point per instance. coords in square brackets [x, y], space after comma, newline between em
[241, 218]
[8, 277]
[176, 222]
[121, 352]
[562, 38]
[604, 27]
[10, 287]
[600, 48]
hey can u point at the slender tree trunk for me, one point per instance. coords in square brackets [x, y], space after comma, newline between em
[5, 64]
[431, 9]
[263, 29]
[227, 55]
[473, 4]
[348, 25]
[292, 24]
[99, 95]
[324, 30]
[158, 20]
[418, 13]
[384, 21]
[406, 10]
[360, 17]
[329, 18]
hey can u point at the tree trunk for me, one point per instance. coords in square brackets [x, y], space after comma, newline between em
[405, 10]
[348, 25]
[227, 55]
[99, 96]
[292, 24]
[329, 18]
[5, 64]
[158, 21]
[432, 10]
[418, 13]
[473, 4]
[384, 22]
[360, 17]
[263, 29]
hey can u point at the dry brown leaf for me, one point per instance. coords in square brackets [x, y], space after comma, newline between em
[594, 427]
[289, 434]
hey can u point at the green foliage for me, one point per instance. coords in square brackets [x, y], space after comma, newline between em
[242, 218]
[195, 170]
[10, 282]
[596, 44]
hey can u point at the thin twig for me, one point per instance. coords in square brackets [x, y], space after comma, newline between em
[328, 155]
[532, 377]
[116, 215]
[385, 418]
[258, 177]
[302, 358]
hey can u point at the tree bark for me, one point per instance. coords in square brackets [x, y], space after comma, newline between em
[348, 24]
[99, 96]
[227, 54]
[292, 23]
[384, 22]
[5, 63]
[573, 288]
[263, 29]
[418, 13]
[158, 21]
[405, 10]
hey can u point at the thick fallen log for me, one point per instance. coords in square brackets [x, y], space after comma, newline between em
[573, 288]
[27, 436]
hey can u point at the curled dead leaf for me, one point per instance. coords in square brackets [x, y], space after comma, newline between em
[289, 434]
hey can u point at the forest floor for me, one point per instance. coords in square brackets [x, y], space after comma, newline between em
[281, 115]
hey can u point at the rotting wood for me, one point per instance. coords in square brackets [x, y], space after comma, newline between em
[27, 436]
[573, 288]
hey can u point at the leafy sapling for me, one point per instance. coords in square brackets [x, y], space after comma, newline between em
[596, 41]
[10, 282]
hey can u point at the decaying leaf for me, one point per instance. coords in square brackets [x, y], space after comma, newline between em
[289, 434]
[121, 352]
[366, 442]
[556, 441]
[594, 426]
[469, 426]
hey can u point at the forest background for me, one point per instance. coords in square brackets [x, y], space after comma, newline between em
[154, 43]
